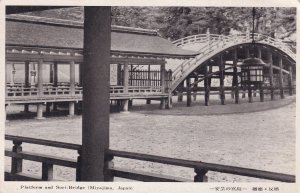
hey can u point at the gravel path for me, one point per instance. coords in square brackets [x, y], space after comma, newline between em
[263, 138]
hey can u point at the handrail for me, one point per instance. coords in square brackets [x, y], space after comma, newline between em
[217, 45]
[201, 168]
[205, 166]
[43, 142]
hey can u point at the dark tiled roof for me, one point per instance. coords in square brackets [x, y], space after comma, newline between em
[45, 32]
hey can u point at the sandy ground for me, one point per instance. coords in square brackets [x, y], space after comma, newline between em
[256, 135]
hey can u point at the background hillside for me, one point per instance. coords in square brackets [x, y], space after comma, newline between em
[178, 22]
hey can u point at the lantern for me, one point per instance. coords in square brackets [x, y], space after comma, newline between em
[252, 71]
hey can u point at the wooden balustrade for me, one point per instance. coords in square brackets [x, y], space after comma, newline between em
[48, 161]
[200, 168]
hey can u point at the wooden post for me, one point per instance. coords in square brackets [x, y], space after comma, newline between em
[206, 86]
[200, 175]
[209, 80]
[47, 171]
[72, 77]
[221, 69]
[259, 52]
[180, 91]
[195, 89]
[270, 60]
[55, 74]
[27, 84]
[51, 78]
[40, 77]
[119, 74]
[235, 77]
[247, 52]
[125, 84]
[188, 92]
[250, 99]
[27, 74]
[290, 80]
[163, 84]
[71, 108]
[280, 77]
[261, 92]
[16, 163]
[149, 74]
[48, 106]
[39, 109]
[95, 116]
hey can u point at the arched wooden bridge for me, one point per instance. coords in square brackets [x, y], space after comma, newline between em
[223, 51]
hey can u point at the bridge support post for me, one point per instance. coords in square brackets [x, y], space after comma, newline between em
[261, 93]
[48, 106]
[270, 60]
[206, 86]
[148, 101]
[259, 52]
[163, 85]
[188, 92]
[280, 77]
[290, 80]
[195, 89]
[180, 91]
[235, 77]
[250, 99]
[221, 69]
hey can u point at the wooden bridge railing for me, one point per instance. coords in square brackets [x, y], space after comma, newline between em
[200, 168]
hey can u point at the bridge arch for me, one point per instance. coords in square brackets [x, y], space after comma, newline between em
[271, 50]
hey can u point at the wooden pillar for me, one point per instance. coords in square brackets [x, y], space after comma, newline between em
[209, 80]
[250, 99]
[180, 91]
[149, 75]
[270, 60]
[80, 74]
[206, 85]
[27, 74]
[261, 92]
[280, 77]
[290, 80]
[119, 74]
[51, 78]
[188, 92]
[55, 74]
[235, 78]
[72, 77]
[247, 52]
[39, 110]
[259, 52]
[48, 108]
[163, 84]
[221, 69]
[125, 84]
[95, 116]
[40, 77]
[195, 89]
[148, 101]
[27, 84]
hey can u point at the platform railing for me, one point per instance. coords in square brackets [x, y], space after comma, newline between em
[200, 168]
[48, 161]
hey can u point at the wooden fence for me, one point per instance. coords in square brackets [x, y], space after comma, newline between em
[200, 168]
